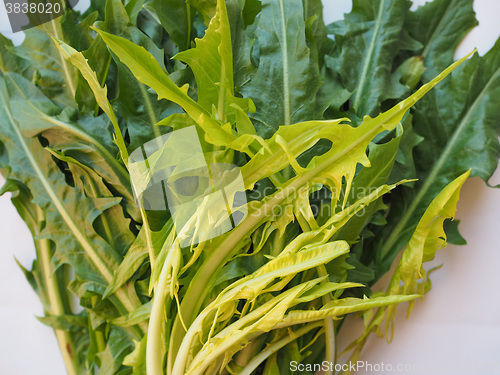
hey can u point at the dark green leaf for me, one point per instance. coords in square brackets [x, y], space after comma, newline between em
[285, 85]
[177, 19]
[440, 26]
[366, 46]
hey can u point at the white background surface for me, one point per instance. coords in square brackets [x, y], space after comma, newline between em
[455, 330]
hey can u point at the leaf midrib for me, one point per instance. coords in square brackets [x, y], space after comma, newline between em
[55, 299]
[149, 109]
[435, 32]
[286, 67]
[368, 58]
[64, 63]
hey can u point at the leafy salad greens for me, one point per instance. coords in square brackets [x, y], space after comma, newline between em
[352, 140]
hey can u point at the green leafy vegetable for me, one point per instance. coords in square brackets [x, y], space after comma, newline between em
[350, 143]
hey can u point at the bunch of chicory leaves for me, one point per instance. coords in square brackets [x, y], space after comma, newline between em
[349, 147]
